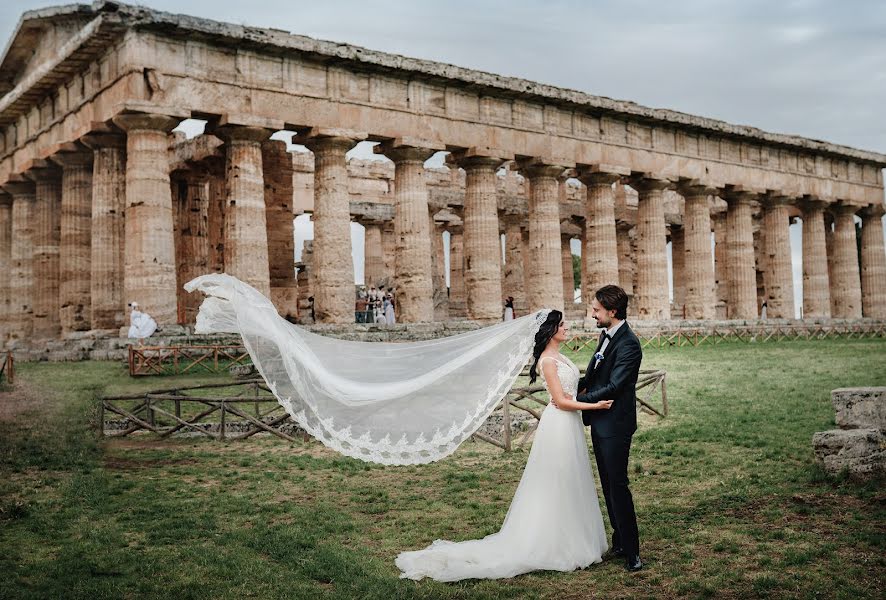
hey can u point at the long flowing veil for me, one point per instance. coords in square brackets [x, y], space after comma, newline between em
[390, 403]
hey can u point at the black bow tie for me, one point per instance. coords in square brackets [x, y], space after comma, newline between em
[605, 336]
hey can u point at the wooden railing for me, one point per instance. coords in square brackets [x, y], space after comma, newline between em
[176, 360]
[7, 369]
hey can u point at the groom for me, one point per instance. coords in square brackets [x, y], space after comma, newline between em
[612, 375]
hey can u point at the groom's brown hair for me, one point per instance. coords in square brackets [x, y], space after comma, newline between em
[614, 298]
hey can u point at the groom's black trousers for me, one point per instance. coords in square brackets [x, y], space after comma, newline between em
[612, 466]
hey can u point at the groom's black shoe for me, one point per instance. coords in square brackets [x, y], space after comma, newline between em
[617, 551]
[633, 563]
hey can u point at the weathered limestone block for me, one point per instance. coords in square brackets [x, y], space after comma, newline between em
[860, 452]
[816, 287]
[860, 408]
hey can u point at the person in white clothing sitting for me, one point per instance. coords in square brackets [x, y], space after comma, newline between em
[141, 325]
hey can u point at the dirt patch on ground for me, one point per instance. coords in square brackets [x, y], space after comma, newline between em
[20, 400]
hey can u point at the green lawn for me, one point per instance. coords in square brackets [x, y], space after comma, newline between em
[730, 503]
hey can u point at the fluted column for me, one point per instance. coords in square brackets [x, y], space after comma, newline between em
[389, 250]
[816, 287]
[625, 259]
[374, 269]
[75, 249]
[873, 263]
[5, 264]
[333, 279]
[21, 274]
[600, 255]
[193, 254]
[778, 276]
[457, 302]
[414, 282]
[740, 255]
[47, 238]
[651, 290]
[829, 246]
[698, 263]
[277, 173]
[438, 270]
[678, 270]
[568, 273]
[721, 267]
[216, 215]
[846, 282]
[149, 245]
[544, 289]
[483, 280]
[246, 229]
[514, 284]
[108, 307]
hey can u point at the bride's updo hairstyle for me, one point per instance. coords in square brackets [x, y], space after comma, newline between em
[544, 335]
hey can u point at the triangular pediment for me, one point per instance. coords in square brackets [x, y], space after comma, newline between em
[37, 39]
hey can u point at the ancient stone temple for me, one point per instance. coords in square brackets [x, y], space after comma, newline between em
[102, 204]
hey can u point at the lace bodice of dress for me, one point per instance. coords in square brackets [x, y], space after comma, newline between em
[567, 372]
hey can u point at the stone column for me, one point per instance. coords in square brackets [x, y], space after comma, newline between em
[514, 284]
[108, 306]
[678, 270]
[778, 276]
[651, 291]
[625, 259]
[829, 245]
[47, 238]
[374, 269]
[277, 174]
[721, 267]
[246, 228]
[333, 279]
[873, 263]
[5, 264]
[149, 245]
[544, 288]
[216, 215]
[483, 282]
[389, 251]
[21, 274]
[414, 283]
[568, 273]
[458, 306]
[816, 288]
[527, 263]
[75, 249]
[698, 262]
[438, 269]
[846, 282]
[740, 255]
[193, 254]
[600, 255]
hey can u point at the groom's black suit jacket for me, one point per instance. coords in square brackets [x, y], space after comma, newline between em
[614, 379]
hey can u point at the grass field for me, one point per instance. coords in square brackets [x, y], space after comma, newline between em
[730, 503]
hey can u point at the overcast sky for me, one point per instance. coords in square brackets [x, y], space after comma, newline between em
[807, 67]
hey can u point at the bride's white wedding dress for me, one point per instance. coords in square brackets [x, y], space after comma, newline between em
[554, 522]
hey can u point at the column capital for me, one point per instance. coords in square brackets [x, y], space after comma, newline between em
[141, 121]
[543, 167]
[480, 157]
[407, 149]
[689, 188]
[41, 170]
[97, 140]
[813, 204]
[242, 133]
[843, 208]
[18, 186]
[5, 198]
[71, 155]
[647, 182]
[734, 195]
[872, 211]
[774, 198]
[601, 174]
[322, 138]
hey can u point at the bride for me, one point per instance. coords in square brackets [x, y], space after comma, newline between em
[554, 522]
[416, 402]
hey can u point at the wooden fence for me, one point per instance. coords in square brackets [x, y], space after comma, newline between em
[177, 360]
[7, 369]
[165, 412]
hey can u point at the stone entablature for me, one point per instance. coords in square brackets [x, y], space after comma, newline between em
[127, 54]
